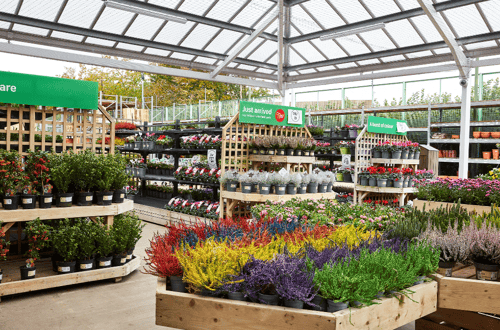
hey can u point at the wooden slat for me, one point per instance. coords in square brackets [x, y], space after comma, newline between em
[455, 319]
[429, 205]
[189, 312]
[256, 197]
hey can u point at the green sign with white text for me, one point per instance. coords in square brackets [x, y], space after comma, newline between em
[271, 114]
[28, 89]
[387, 126]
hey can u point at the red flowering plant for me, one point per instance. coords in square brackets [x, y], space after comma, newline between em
[160, 258]
[4, 245]
[11, 172]
[129, 126]
[38, 238]
[37, 170]
[396, 174]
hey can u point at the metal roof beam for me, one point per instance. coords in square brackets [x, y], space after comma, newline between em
[124, 65]
[384, 19]
[397, 51]
[289, 3]
[281, 27]
[258, 31]
[195, 18]
[119, 38]
[448, 37]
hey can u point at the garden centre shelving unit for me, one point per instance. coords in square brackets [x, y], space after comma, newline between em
[365, 142]
[236, 155]
[189, 311]
[175, 133]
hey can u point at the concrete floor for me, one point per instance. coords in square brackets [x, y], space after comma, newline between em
[129, 304]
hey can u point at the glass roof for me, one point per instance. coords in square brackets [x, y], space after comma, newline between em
[216, 28]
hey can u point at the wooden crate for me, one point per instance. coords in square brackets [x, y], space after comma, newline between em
[451, 319]
[190, 312]
[429, 205]
[46, 278]
[429, 159]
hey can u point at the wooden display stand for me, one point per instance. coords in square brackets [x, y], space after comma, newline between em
[193, 312]
[460, 298]
[365, 142]
[236, 155]
[430, 205]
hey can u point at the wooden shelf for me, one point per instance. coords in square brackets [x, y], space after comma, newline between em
[189, 311]
[350, 185]
[457, 141]
[395, 161]
[21, 215]
[282, 159]
[471, 161]
[255, 197]
[386, 190]
[46, 278]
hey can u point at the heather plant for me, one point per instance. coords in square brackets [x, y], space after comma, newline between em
[483, 243]
[295, 281]
[454, 247]
[160, 258]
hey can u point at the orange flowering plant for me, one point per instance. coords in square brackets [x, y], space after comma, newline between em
[11, 172]
[4, 245]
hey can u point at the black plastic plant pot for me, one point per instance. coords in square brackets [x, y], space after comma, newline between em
[104, 197]
[10, 202]
[231, 186]
[329, 187]
[84, 265]
[486, 272]
[280, 152]
[239, 296]
[264, 188]
[289, 152]
[246, 188]
[302, 189]
[335, 307]
[104, 262]
[66, 267]
[404, 154]
[376, 154]
[119, 196]
[322, 188]
[298, 152]
[291, 189]
[27, 273]
[263, 151]
[363, 181]
[255, 187]
[64, 200]
[119, 259]
[396, 155]
[319, 303]
[347, 177]
[446, 268]
[176, 284]
[45, 201]
[28, 202]
[208, 293]
[306, 153]
[312, 188]
[84, 198]
[269, 299]
[416, 155]
[280, 189]
[1, 276]
[294, 304]
[344, 133]
[130, 254]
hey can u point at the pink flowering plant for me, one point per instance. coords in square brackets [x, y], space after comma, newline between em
[468, 191]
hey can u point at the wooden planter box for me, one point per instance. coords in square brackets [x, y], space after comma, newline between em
[479, 209]
[189, 311]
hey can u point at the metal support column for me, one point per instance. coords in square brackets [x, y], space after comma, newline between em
[429, 117]
[463, 167]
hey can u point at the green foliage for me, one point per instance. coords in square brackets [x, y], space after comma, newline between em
[37, 233]
[61, 171]
[121, 177]
[104, 241]
[65, 241]
[84, 167]
[106, 171]
[127, 229]
[86, 238]
[424, 258]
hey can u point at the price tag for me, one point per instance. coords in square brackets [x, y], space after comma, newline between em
[123, 260]
[7, 201]
[107, 197]
[86, 266]
[283, 172]
[346, 161]
[63, 269]
[27, 200]
[31, 273]
[66, 199]
[122, 195]
[104, 263]
[129, 257]
[212, 158]
[88, 198]
[47, 200]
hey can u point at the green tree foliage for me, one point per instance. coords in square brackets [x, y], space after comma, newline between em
[165, 89]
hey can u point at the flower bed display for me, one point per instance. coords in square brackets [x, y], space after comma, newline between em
[201, 141]
[202, 209]
[282, 146]
[199, 172]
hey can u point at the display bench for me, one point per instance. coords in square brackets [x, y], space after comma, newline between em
[365, 142]
[46, 278]
[291, 162]
[194, 312]
[258, 198]
[463, 302]
[429, 205]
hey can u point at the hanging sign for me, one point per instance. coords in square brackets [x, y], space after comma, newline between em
[271, 114]
[346, 161]
[48, 91]
[212, 158]
[387, 125]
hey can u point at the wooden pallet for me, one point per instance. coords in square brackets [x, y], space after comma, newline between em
[479, 209]
[190, 312]
[46, 278]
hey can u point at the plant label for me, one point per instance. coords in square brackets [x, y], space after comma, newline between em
[184, 204]
[171, 201]
[209, 208]
[264, 188]
[105, 263]
[107, 197]
[283, 172]
[88, 198]
[27, 200]
[85, 266]
[31, 273]
[129, 257]
[281, 188]
[7, 201]
[63, 269]
[212, 158]
[294, 116]
[123, 260]
[1, 275]
[122, 195]
[66, 199]
[402, 127]
[47, 200]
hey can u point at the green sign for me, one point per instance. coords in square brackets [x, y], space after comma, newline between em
[271, 114]
[387, 125]
[48, 91]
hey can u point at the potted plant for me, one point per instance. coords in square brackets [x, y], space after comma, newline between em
[339, 175]
[344, 131]
[252, 146]
[396, 150]
[267, 145]
[323, 182]
[36, 167]
[4, 248]
[293, 183]
[64, 240]
[484, 249]
[312, 187]
[353, 131]
[104, 178]
[104, 247]
[85, 240]
[61, 173]
[279, 181]
[246, 182]
[306, 179]
[382, 176]
[230, 180]
[348, 174]
[84, 174]
[133, 226]
[415, 147]
[294, 283]
[120, 180]
[406, 149]
[10, 178]
[28, 197]
[264, 183]
[333, 179]
[363, 177]
[386, 148]
[291, 145]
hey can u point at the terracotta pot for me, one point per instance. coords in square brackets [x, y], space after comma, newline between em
[476, 135]
[495, 153]
[485, 135]
[486, 154]
[495, 135]
[455, 136]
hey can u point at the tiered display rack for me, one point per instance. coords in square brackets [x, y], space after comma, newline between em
[80, 130]
[365, 142]
[236, 155]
